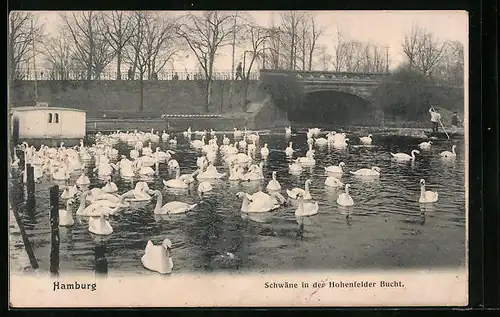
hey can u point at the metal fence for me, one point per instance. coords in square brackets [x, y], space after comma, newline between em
[81, 74]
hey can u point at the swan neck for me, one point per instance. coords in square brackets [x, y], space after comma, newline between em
[244, 205]
[159, 201]
[347, 191]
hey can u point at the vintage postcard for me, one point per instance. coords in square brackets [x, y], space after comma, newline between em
[238, 158]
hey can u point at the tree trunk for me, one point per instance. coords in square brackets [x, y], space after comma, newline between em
[118, 64]
[141, 93]
[209, 94]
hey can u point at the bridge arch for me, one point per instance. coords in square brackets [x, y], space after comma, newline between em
[331, 106]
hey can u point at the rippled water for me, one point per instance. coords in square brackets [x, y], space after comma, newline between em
[386, 227]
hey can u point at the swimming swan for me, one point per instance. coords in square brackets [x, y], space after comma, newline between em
[404, 156]
[204, 187]
[333, 182]
[345, 199]
[426, 196]
[110, 187]
[304, 192]
[425, 145]
[448, 154]
[173, 207]
[264, 152]
[374, 171]
[273, 184]
[289, 150]
[66, 215]
[100, 226]
[257, 203]
[176, 182]
[70, 192]
[158, 258]
[366, 139]
[101, 207]
[335, 169]
[305, 208]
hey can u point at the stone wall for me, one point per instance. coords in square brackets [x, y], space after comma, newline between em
[99, 97]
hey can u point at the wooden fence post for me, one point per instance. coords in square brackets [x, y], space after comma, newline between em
[54, 230]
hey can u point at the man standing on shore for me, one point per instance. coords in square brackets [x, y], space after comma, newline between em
[435, 117]
[454, 122]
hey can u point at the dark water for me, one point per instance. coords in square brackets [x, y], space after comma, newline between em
[386, 227]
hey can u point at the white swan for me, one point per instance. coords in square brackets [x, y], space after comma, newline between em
[404, 156]
[366, 139]
[70, 192]
[66, 215]
[305, 208]
[198, 144]
[304, 192]
[237, 134]
[273, 184]
[321, 141]
[264, 152]
[425, 145]
[332, 181]
[295, 166]
[307, 161]
[139, 193]
[256, 203]
[101, 207]
[100, 226]
[288, 130]
[426, 196]
[173, 207]
[335, 169]
[176, 182]
[289, 150]
[204, 187]
[374, 171]
[158, 257]
[210, 173]
[448, 154]
[110, 186]
[345, 199]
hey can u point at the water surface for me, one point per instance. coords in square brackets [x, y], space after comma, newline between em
[386, 228]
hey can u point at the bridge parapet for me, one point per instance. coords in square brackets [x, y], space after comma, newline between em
[318, 75]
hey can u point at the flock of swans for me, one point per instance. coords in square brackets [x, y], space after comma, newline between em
[142, 164]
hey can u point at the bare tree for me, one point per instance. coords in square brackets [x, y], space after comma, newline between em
[118, 27]
[340, 52]
[450, 69]
[58, 55]
[91, 47]
[20, 41]
[423, 50]
[256, 37]
[290, 22]
[315, 33]
[204, 34]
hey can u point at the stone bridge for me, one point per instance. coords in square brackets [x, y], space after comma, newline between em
[359, 84]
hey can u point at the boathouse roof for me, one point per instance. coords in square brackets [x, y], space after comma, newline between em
[30, 108]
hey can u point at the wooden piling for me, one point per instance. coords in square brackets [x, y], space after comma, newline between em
[54, 230]
[30, 180]
[101, 263]
[27, 244]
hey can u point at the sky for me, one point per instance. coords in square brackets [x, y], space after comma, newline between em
[384, 28]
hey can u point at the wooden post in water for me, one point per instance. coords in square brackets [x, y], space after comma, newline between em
[27, 245]
[30, 180]
[101, 263]
[54, 230]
